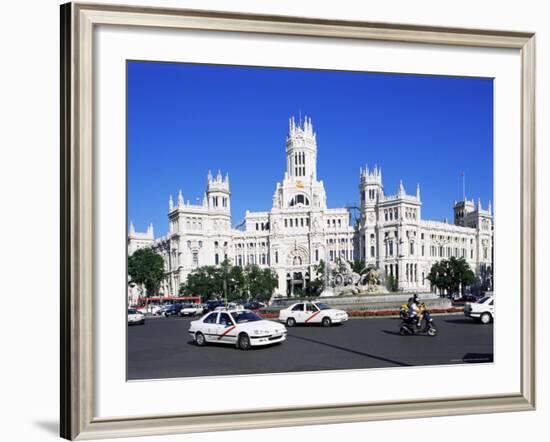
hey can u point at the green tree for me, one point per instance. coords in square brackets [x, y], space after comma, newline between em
[391, 283]
[146, 267]
[317, 283]
[230, 282]
[358, 265]
[260, 283]
[451, 275]
[204, 281]
[235, 281]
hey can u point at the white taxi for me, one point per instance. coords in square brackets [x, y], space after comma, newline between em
[482, 310]
[192, 310]
[135, 317]
[312, 313]
[242, 328]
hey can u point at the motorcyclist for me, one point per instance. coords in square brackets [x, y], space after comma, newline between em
[414, 310]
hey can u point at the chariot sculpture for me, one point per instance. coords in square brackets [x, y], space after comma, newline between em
[340, 276]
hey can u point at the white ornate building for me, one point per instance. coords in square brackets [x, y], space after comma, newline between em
[300, 230]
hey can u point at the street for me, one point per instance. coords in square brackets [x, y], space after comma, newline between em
[162, 348]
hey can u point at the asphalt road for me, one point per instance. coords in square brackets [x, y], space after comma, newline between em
[162, 348]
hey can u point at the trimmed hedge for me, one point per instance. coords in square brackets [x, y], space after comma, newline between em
[369, 313]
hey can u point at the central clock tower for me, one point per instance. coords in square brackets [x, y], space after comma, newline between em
[300, 186]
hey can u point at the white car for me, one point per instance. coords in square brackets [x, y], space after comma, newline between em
[482, 310]
[192, 310]
[135, 317]
[241, 328]
[230, 306]
[151, 308]
[312, 313]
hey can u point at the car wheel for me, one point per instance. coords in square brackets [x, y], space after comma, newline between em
[432, 331]
[200, 339]
[485, 318]
[244, 342]
[326, 322]
[402, 331]
[290, 322]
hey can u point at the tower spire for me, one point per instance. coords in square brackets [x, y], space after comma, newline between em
[132, 228]
[170, 204]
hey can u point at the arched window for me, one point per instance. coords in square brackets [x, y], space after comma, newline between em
[299, 199]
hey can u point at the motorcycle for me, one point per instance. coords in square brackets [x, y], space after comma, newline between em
[404, 311]
[409, 325]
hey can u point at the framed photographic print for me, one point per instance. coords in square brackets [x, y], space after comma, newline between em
[274, 221]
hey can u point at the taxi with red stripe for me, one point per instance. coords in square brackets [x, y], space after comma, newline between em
[312, 313]
[241, 328]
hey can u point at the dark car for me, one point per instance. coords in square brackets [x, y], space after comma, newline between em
[212, 305]
[254, 305]
[172, 310]
[466, 298]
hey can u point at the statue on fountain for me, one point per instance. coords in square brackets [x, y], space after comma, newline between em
[341, 279]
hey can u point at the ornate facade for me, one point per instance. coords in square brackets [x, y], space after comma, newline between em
[300, 230]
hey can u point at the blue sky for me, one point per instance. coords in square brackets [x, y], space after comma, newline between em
[186, 119]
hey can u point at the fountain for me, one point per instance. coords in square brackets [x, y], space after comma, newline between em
[340, 279]
[327, 289]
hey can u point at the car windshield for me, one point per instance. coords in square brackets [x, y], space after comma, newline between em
[131, 311]
[483, 300]
[241, 317]
[322, 306]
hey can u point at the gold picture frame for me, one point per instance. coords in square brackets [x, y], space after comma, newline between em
[77, 390]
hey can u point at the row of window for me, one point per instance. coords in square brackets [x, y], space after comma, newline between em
[219, 201]
[411, 272]
[347, 254]
[393, 214]
[369, 194]
[193, 223]
[262, 226]
[300, 164]
[261, 259]
[296, 222]
[334, 222]
[339, 240]
[433, 237]
[251, 245]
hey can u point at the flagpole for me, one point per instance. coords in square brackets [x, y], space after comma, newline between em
[463, 186]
